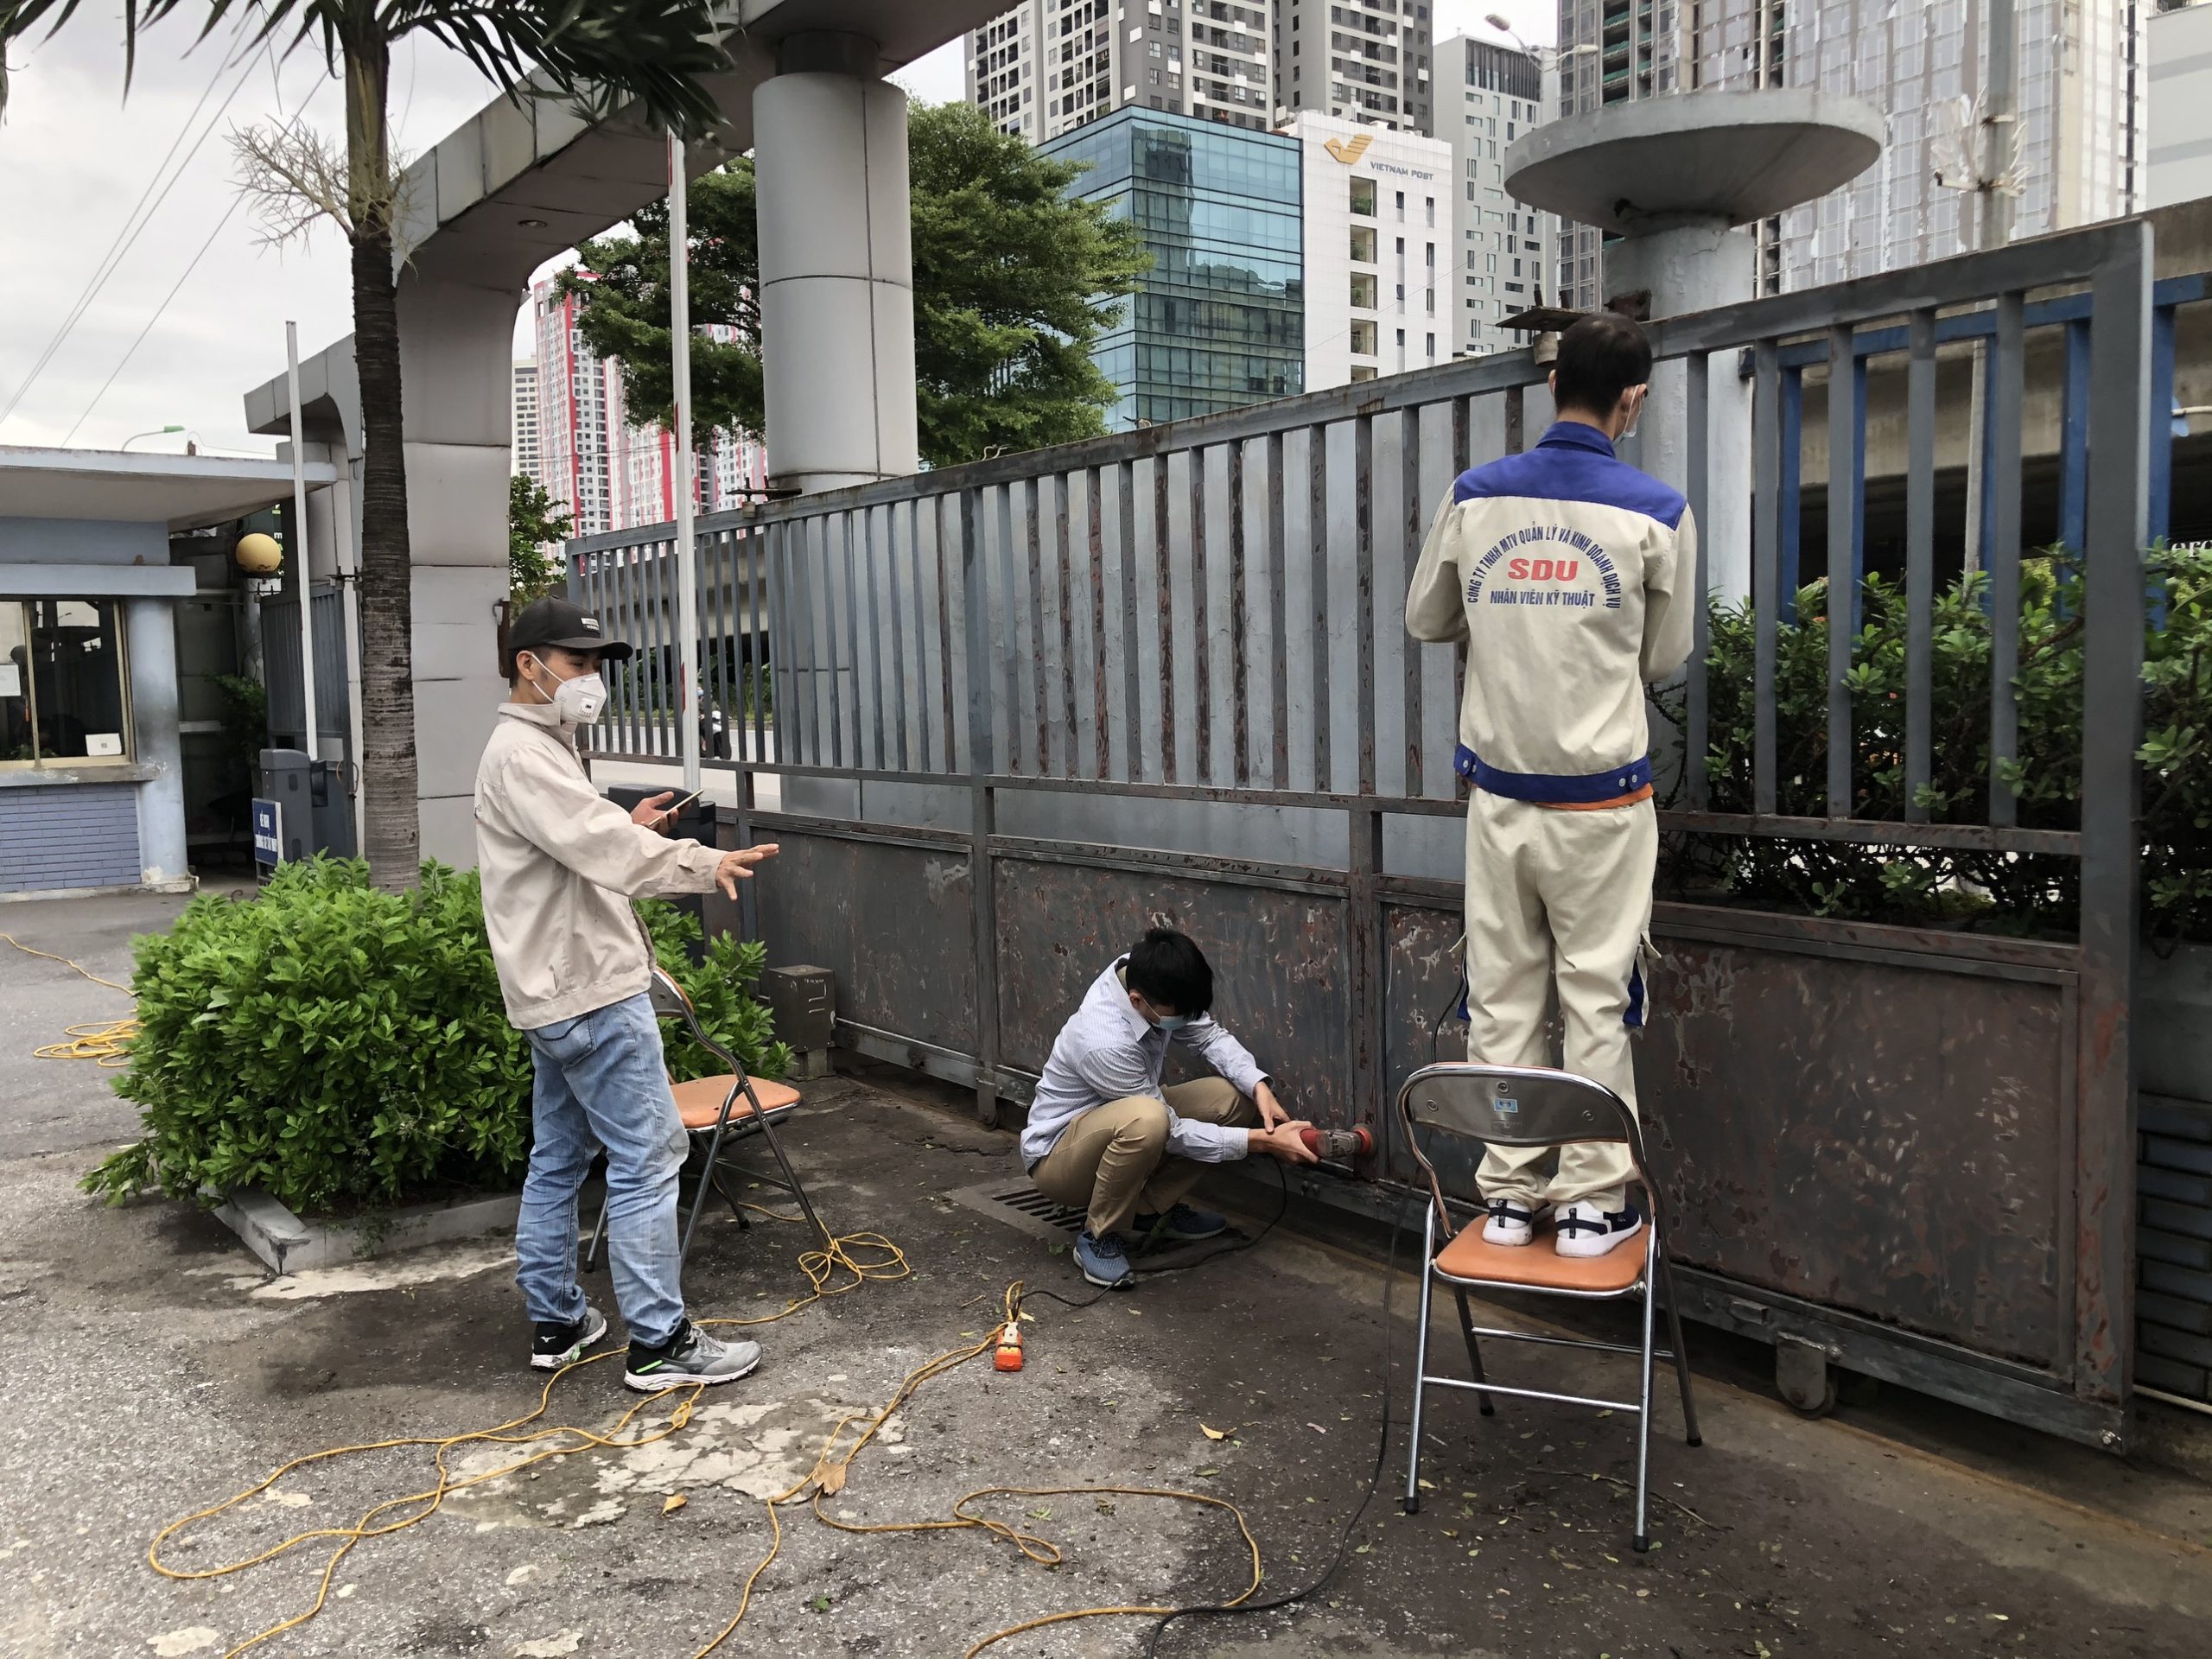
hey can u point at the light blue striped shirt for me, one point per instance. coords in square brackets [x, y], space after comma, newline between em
[1107, 1050]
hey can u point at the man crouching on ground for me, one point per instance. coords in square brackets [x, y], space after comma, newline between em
[561, 863]
[1105, 1137]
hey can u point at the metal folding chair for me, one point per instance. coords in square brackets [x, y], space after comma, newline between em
[1528, 1106]
[718, 1112]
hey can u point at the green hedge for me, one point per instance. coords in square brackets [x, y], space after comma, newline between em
[2013, 892]
[345, 1049]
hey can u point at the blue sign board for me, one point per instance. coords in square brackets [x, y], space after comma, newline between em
[268, 833]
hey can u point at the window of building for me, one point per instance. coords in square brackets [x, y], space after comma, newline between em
[1363, 339]
[1362, 289]
[1363, 244]
[1362, 371]
[64, 693]
[1432, 212]
[1432, 346]
[1402, 207]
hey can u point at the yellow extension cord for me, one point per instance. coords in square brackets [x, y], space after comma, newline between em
[864, 1257]
[108, 1043]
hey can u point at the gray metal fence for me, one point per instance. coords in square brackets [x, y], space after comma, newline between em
[1018, 709]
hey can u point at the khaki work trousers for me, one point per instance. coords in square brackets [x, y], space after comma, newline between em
[1559, 899]
[1111, 1162]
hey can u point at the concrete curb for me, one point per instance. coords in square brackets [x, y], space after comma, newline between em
[285, 1244]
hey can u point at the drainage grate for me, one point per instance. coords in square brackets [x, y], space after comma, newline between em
[1021, 1207]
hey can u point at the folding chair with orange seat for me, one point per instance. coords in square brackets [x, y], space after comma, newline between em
[720, 1111]
[1529, 1106]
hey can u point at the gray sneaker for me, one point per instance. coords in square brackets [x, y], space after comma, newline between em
[690, 1356]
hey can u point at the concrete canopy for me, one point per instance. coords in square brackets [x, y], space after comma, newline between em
[1651, 163]
[181, 491]
[522, 181]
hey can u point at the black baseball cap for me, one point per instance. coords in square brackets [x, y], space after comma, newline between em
[560, 622]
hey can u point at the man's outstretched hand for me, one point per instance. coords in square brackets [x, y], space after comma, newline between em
[1282, 1141]
[738, 867]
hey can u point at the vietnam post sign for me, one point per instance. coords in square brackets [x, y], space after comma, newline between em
[268, 833]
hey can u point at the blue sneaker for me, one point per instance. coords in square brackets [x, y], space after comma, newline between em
[1181, 1225]
[1105, 1262]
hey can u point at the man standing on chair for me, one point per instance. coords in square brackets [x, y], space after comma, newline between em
[1571, 576]
[561, 863]
[1105, 1137]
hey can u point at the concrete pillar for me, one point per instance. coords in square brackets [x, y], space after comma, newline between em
[457, 378]
[836, 267]
[1696, 266]
[149, 625]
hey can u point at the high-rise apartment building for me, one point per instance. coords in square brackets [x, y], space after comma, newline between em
[1487, 96]
[1219, 320]
[1048, 66]
[526, 460]
[1381, 250]
[1365, 61]
[2078, 97]
[609, 472]
[2178, 47]
[574, 455]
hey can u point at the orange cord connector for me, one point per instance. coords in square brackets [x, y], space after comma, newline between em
[1008, 1357]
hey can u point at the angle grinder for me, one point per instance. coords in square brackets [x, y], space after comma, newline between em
[1337, 1149]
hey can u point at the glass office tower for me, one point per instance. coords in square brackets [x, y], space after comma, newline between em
[1218, 321]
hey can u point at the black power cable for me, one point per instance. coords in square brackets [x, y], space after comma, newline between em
[1374, 1484]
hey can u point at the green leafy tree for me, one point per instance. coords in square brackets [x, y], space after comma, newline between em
[599, 55]
[535, 520]
[1014, 281]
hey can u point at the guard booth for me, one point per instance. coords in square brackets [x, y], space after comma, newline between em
[1022, 708]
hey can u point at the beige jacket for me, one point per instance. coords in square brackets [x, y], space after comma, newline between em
[1571, 576]
[561, 863]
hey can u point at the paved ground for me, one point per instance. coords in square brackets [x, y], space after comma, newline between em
[152, 1370]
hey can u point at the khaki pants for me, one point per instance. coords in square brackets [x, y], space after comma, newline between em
[1558, 897]
[1110, 1162]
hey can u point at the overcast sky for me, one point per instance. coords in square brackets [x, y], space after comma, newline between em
[76, 158]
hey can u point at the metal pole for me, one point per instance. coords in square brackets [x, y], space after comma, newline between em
[349, 585]
[1999, 117]
[687, 552]
[298, 539]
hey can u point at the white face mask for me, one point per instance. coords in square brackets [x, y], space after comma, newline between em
[577, 701]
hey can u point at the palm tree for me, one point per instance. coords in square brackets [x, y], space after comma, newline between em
[601, 54]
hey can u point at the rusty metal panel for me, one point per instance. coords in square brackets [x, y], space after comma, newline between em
[1888, 1138]
[1279, 963]
[890, 918]
[1422, 979]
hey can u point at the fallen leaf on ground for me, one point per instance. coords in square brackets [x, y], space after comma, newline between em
[550, 1647]
[1207, 1474]
[1216, 1433]
[1041, 1514]
[196, 1639]
[677, 1501]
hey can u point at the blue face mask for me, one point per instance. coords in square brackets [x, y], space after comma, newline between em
[1169, 1022]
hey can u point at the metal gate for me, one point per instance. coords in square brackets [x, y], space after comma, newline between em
[1015, 711]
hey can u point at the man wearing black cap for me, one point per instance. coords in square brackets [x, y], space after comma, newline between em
[560, 865]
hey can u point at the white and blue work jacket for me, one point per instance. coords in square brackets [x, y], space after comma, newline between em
[1569, 574]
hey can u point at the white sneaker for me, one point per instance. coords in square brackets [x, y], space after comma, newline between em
[1512, 1223]
[1585, 1229]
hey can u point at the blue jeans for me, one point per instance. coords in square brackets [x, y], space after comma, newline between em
[601, 1077]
